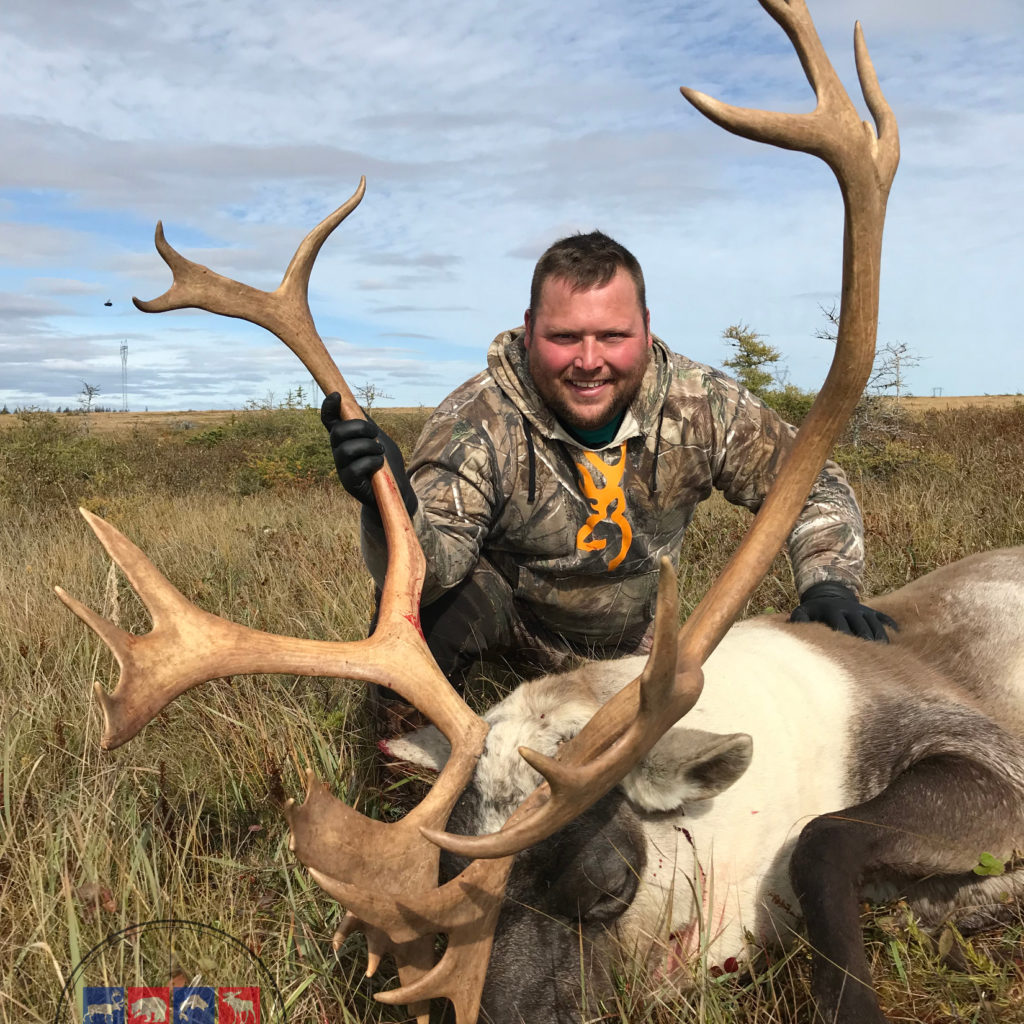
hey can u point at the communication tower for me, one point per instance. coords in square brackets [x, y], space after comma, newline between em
[124, 375]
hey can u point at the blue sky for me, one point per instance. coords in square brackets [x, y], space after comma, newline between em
[486, 131]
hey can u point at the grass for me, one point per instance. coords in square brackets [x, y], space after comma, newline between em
[243, 517]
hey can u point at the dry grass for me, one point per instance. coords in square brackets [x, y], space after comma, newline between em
[184, 820]
[121, 423]
[203, 419]
[943, 403]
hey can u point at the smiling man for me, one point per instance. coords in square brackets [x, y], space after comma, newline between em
[546, 489]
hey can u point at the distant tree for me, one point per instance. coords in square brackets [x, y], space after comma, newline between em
[87, 398]
[887, 380]
[260, 404]
[5, 411]
[752, 355]
[371, 393]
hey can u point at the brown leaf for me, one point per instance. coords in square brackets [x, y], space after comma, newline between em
[96, 897]
[267, 900]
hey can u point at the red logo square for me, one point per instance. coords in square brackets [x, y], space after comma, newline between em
[238, 1005]
[147, 1006]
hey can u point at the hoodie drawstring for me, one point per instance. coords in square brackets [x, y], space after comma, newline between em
[657, 449]
[531, 458]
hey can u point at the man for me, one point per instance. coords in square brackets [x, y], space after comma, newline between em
[545, 490]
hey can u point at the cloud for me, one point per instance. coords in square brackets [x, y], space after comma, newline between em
[486, 132]
[382, 310]
[62, 286]
[429, 260]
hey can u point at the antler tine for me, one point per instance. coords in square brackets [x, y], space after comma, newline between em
[188, 646]
[334, 841]
[466, 909]
[621, 733]
[284, 312]
[829, 131]
[887, 131]
[627, 726]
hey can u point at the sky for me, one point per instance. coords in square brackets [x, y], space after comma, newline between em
[486, 131]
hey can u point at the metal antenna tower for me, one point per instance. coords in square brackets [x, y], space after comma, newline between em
[124, 375]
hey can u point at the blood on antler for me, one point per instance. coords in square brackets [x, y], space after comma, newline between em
[402, 909]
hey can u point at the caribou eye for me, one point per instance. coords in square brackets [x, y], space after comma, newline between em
[607, 893]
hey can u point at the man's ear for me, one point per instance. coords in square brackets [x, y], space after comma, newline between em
[526, 325]
[687, 765]
[647, 325]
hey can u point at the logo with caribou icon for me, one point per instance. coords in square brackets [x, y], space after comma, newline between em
[186, 1004]
[181, 955]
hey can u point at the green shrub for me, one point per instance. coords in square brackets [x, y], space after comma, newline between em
[790, 402]
[885, 459]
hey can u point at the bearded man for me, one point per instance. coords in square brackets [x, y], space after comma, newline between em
[545, 490]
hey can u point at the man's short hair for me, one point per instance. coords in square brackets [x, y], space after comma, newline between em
[586, 261]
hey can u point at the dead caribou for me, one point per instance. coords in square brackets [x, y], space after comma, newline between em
[810, 766]
[814, 771]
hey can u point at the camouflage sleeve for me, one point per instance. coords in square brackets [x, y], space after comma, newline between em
[749, 442]
[455, 473]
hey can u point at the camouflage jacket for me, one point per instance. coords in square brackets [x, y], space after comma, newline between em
[579, 533]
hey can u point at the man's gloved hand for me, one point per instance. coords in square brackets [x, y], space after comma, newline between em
[359, 448]
[837, 606]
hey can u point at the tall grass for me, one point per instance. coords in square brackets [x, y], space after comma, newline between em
[184, 821]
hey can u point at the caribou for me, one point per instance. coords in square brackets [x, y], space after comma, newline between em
[743, 783]
[816, 770]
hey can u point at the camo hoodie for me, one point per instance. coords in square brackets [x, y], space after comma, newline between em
[578, 532]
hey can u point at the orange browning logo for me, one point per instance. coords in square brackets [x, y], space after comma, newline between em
[608, 504]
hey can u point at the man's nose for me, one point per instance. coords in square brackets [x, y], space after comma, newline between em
[588, 356]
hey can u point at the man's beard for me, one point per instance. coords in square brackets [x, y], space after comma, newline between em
[625, 390]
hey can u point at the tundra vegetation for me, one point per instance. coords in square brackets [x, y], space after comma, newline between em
[247, 520]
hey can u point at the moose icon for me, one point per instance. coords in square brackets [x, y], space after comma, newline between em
[242, 1005]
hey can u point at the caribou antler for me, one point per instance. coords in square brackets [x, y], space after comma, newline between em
[405, 908]
[625, 729]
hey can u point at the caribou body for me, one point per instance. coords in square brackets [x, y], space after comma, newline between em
[815, 770]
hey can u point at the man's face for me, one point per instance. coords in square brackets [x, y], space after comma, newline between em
[587, 350]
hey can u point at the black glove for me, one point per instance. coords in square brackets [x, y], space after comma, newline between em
[359, 448]
[837, 606]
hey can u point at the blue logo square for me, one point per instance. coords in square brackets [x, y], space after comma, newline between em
[103, 1004]
[195, 1004]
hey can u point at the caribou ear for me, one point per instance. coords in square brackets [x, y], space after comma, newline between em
[687, 765]
[426, 747]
